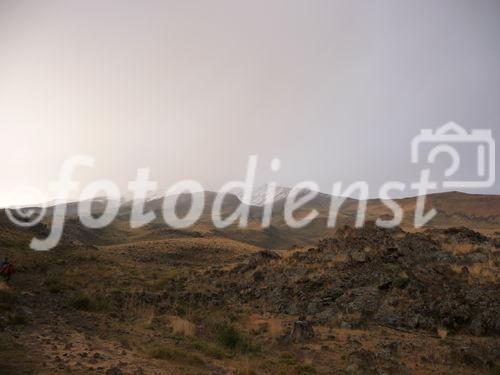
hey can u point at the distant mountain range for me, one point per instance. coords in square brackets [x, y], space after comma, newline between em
[454, 209]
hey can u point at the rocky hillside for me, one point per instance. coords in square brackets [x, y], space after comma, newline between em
[385, 277]
[477, 212]
[362, 301]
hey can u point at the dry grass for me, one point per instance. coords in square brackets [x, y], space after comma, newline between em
[459, 248]
[167, 353]
[142, 312]
[182, 326]
[442, 333]
[175, 341]
[483, 271]
[272, 326]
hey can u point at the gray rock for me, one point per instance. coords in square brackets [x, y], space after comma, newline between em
[302, 331]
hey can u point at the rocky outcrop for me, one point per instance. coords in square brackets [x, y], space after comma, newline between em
[371, 275]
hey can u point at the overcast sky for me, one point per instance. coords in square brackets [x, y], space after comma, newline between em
[191, 89]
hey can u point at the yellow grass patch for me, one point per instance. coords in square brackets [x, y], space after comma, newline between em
[483, 271]
[182, 326]
[442, 332]
[459, 248]
[273, 326]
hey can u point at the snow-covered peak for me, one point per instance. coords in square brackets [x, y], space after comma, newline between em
[264, 194]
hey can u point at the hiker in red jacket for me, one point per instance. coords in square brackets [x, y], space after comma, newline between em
[6, 270]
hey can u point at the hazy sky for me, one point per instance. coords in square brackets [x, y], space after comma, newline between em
[335, 89]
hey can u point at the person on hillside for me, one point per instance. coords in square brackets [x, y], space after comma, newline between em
[6, 270]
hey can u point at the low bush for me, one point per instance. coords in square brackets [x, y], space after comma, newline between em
[80, 301]
[230, 338]
[85, 302]
[55, 285]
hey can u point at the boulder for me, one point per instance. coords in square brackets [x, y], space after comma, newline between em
[302, 331]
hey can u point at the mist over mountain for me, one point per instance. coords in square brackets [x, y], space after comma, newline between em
[112, 112]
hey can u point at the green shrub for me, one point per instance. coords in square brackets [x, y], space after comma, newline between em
[84, 302]
[55, 285]
[230, 338]
[80, 302]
